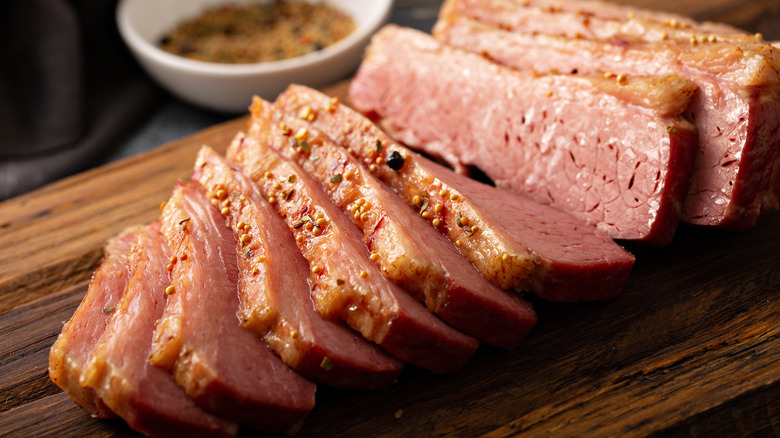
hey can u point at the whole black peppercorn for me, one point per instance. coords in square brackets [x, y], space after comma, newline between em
[395, 160]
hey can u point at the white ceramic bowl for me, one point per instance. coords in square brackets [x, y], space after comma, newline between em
[229, 87]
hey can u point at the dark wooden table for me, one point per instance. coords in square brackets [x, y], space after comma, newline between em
[692, 348]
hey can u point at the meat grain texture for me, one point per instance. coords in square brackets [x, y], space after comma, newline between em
[409, 251]
[736, 109]
[118, 371]
[346, 283]
[227, 370]
[274, 290]
[578, 142]
[513, 241]
[69, 355]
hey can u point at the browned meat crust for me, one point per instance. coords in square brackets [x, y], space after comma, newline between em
[346, 283]
[144, 395]
[69, 354]
[513, 241]
[410, 252]
[226, 369]
[275, 296]
[581, 143]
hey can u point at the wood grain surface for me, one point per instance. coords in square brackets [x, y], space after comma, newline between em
[692, 347]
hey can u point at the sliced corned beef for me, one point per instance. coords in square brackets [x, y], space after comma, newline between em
[346, 283]
[144, 395]
[226, 369]
[409, 251]
[275, 294]
[514, 242]
[602, 148]
[70, 352]
[736, 112]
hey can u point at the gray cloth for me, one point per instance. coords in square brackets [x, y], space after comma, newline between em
[69, 89]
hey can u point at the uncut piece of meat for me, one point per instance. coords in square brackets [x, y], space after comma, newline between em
[614, 11]
[410, 252]
[118, 370]
[274, 290]
[70, 352]
[514, 242]
[615, 153]
[226, 369]
[346, 283]
[736, 111]
[592, 20]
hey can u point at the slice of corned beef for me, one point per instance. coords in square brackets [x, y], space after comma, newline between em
[409, 251]
[346, 283]
[226, 369]
[613, 11]
[144, 395]
[514, 242]
[615, 153]
[736, 110]
[70, 352]
[590, 19]
[275, 294]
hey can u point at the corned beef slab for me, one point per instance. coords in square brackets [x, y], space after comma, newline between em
[226, 369]
[604, 149]
[736, 111]
[410, 252]
[70, 352]
[346, 283]
[275, 296]
[514, 242]
[590, 20]
[613, 11]
[117, 370]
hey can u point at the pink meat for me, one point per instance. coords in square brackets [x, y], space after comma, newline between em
[589, 19]
[144, 395]
[523, 245]
[226, 369]
[585, 144]
[275, 294]
[613, 11]
[410, 252]
[69, 354]
[346, 283]
[574, 261]
[736, 112]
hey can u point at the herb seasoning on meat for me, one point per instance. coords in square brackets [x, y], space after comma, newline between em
[235, 34]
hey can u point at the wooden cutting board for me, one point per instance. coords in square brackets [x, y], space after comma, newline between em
[691, 348]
